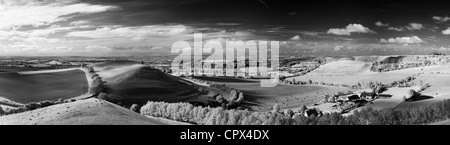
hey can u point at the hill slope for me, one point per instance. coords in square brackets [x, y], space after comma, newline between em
[138, 84]
[84, 112]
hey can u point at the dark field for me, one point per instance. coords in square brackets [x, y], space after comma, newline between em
[40, 87]
[19, 69]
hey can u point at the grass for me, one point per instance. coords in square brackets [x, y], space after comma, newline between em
[40, 87]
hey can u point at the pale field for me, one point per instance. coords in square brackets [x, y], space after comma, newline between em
[351, 72]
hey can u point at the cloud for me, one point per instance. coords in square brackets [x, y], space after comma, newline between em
[380, 24]
[296, 37]
[17, 13]
[80, 22]
[446, 32]
[133, 32]
[414, 26]
[440, 19]
[396, 29]
[403, 40]
[351, 28]
[410, 26]
[308, 33]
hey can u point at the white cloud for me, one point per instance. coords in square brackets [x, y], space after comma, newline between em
[296, 37]
[410, 26]
[414, 26]
[381, 24]
[78, 23]
[446, 32]
[17, 13]
[351, 28]
[403, 40]
[308, 33]
[441, 19]
[396, 29]
[135, 33]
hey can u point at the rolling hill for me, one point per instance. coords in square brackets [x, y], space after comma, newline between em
[137, 83]
[84, 112]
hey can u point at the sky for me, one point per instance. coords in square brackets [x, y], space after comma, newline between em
[150, 27]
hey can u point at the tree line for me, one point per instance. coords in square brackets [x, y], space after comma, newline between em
[186, 112]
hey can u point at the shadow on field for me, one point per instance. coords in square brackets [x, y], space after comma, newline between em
[224, 79]
[419, 98]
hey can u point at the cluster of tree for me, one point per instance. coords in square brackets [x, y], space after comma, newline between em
[186, 112]
[304, 70]
[199, 81]
[379, 87]
[97, 85]
[135, 107]
[30, 106]
[365, 58]
[402, 83]
[367, 85]
[235, 100]
[392, 116]
[437, 53]
[402, 62]
[205, 115]
[309, 82]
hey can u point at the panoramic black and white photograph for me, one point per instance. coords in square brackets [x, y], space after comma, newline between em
[224, 62]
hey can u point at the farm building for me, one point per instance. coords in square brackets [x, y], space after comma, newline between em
[351, 97]
[53, 62]
[366, 95]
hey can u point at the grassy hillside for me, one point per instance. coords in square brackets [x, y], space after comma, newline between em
[138, 84]
[84, 112]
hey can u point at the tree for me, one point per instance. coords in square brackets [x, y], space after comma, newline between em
[410, 94]
[241, 97]
[302, 109]
[220, 99]
[233, 95]
[103, 96]
[379, 89]
[289, 113]
[135, 108]
[91, 69]
[276, 108]
[1, 111]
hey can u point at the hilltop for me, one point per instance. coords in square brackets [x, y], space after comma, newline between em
[83, 112]
[131, 83]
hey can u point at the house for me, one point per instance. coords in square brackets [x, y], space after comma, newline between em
[384, 96]
[368, 96]
[53, 62]
[351, 97]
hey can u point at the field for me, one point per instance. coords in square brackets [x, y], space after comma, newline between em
[351, 72]
[287, 96]
[34, 87]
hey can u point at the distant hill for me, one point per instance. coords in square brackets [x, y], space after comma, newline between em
[84, 112]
